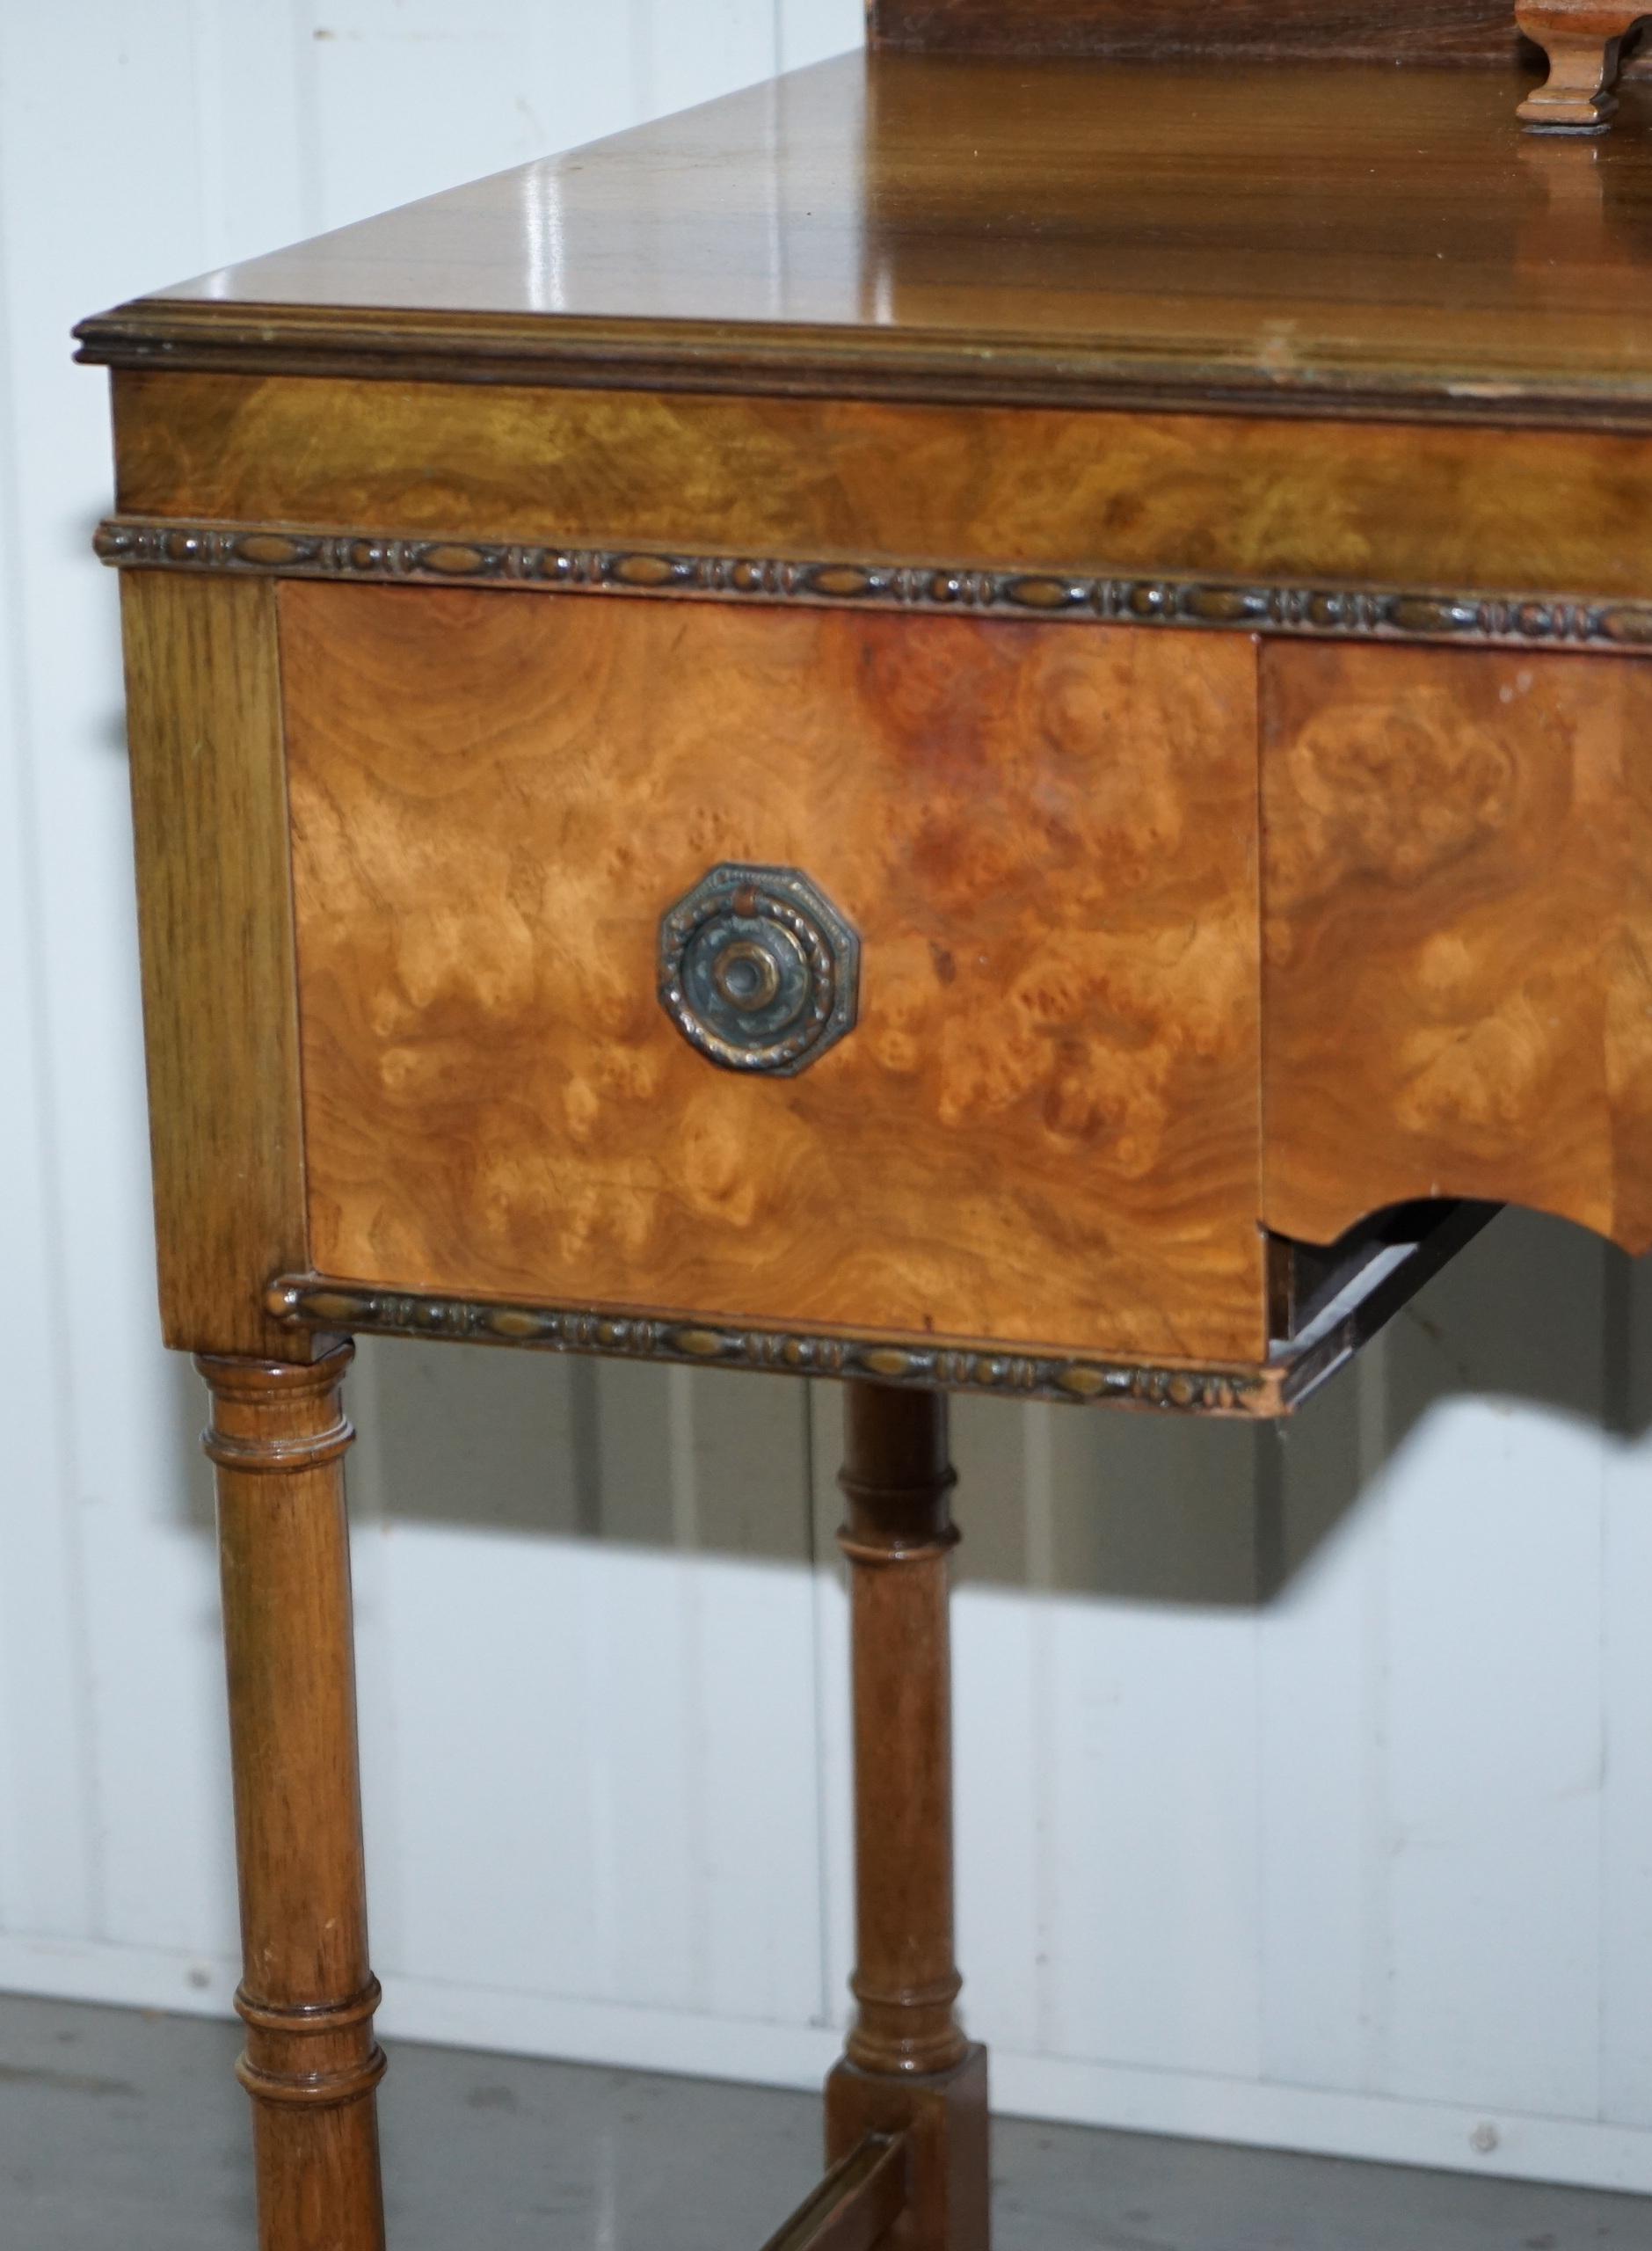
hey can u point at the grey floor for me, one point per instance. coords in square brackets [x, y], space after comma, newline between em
[124, 2129]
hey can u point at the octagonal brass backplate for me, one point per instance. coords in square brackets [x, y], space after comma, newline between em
[758, 969]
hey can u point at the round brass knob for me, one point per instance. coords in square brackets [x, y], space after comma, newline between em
[758, 970]
[748, 975]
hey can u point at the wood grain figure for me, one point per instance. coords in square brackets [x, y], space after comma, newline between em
[1457, 950]
[1535, 511]
[216, 927]
[1044, 1127]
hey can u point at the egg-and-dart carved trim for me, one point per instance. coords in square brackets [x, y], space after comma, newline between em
[1250, 606]
[314, 1301]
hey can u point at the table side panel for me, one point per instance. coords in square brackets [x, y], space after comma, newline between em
[1457, 933]
[1410, 505]
[215, 926]
[1044, 1127]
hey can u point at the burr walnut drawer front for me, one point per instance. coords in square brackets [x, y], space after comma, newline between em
[955, 1031]
[1457, 933]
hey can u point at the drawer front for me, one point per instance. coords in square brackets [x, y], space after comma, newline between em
[1457, 916]
[1041, 1128]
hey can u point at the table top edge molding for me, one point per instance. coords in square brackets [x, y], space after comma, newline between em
[788, 359]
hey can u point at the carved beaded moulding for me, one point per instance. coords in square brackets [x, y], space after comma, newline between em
[318, 1303]
[1292, 1372]
[1250, 606]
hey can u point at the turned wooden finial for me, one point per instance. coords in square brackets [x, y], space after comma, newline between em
[1583, 41]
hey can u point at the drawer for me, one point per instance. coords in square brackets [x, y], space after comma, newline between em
[1458, 915]
[1043, 1125]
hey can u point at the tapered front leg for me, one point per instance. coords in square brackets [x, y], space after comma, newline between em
[277, 1436]
[907, 2067]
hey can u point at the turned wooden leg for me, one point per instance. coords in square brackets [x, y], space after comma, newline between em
[277, 1436]
[1582, 40]
[907, 2067]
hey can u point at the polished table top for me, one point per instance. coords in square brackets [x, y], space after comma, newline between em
[1333, 236]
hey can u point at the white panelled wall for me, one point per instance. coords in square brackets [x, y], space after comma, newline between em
[1306, 1783]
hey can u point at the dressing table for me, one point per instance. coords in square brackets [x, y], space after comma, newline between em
[974, 721]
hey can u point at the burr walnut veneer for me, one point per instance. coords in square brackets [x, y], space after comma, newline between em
[972, 721]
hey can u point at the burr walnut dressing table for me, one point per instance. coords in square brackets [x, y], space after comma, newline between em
[975, 720]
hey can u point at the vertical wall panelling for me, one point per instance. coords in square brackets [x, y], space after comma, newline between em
[1492, 1696]
[245, 88]
[1626, 1832]
[1002, 1608]
[688, 55]
[807, 31]
[609, 1792]
[1152, 1730]
[1320, 1648]
[390, 1893]
[477, 1778]
[834, 1770]
[47, 1883]
[1304, 1784]
[406, 97]
[146, 1670]
[751, 1700]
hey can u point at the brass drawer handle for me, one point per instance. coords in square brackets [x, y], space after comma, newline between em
[758, 970]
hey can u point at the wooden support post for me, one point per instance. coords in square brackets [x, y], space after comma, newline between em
[277, 1436]
[907, 2068]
